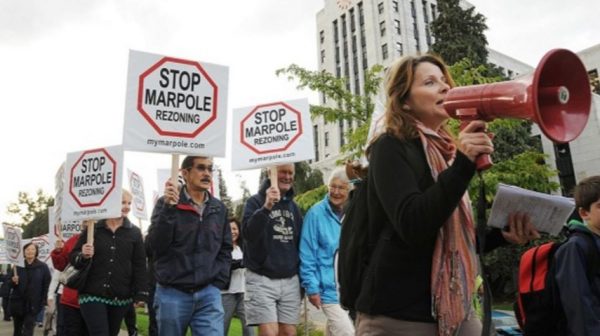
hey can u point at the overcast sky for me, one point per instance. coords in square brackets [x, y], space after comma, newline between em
[64, 62]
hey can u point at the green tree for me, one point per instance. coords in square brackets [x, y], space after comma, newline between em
[348, 107]
[239, 208]
[31, 213]
[223, 196]
[459, 33]
[305, 178]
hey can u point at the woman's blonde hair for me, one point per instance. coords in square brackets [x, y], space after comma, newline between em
[400, 76]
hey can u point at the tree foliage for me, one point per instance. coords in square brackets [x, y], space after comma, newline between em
[31, 212]
[239, 207]
[223, 196]
[347, 106]
[459, 33]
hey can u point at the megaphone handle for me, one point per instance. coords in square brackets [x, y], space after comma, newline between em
[483, 161]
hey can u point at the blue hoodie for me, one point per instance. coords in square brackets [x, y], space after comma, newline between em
[320, 239]
[579, 295]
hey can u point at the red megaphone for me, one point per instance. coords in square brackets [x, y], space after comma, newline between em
[557, 96]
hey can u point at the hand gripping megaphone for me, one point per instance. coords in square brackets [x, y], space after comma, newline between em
[556, 96]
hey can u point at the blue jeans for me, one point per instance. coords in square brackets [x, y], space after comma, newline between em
[202, 311]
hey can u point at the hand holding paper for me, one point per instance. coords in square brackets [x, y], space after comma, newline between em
[548, 213]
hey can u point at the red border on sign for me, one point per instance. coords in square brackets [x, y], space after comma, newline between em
[109, 190]
[275, 150]
[148, 118]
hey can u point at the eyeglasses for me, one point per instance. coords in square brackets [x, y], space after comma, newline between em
[338, 188]
[202, 168]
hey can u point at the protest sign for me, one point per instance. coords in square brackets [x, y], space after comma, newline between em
[270, 134]
[93, 188]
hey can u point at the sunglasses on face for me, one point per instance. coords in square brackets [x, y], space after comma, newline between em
[201, 168]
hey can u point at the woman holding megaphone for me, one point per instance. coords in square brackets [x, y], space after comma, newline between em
[422, 271]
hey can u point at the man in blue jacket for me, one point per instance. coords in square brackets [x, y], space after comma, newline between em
[271, 230]
[191, 244]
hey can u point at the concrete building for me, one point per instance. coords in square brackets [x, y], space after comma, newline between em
[353, 35]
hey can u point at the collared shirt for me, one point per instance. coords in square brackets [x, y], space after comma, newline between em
[199, 207]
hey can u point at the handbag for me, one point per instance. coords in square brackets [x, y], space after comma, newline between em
[75, 278]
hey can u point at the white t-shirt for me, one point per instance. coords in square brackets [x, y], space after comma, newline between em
[237, 283]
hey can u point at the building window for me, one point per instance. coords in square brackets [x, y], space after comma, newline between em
[380, 8]
[323, 98]
[326, 139]
[395, 6]
[428, 36]
[364, 59]
[352, 25]
[335, 31]
[399, 49]
[316, 138]
[341, 128]
[433, 11]
[323, 56]
[425, 16]
[361, 17]
[594, 81]
[397, 27]
[384, 51]
[344, 25]
[382, 28]
[413, 10]
[322, 36]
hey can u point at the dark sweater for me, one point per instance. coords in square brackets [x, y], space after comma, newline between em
[118, 268]
[406, 210]
[272, 237]
[31, 293]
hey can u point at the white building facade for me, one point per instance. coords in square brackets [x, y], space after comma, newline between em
[354, 35]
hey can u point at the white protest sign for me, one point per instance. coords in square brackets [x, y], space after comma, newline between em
[269, 134]
[44, 247]
[3, 256]
[59, 186]
[175, 105]
[13, 244]
[136, 186]
[93, 188]
[68, 228]
[215, 189]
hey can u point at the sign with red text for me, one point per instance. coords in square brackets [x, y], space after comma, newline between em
[55, 227]
[13, 243]
[138, 203]
[93, 184]
[44, 247]
[270, 134]
[175, 105]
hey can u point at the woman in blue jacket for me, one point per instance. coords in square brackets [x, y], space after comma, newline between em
[318, 243]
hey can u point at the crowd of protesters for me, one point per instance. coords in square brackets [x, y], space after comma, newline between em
[198, 267]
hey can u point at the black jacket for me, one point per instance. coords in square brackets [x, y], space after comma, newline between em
[190, 250]
[404, 199]
[118, 268]
[30, 295]
[272, 237]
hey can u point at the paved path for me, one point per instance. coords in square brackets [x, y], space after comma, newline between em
[6, 329]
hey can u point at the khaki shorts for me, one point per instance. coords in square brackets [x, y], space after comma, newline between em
[271, 300]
